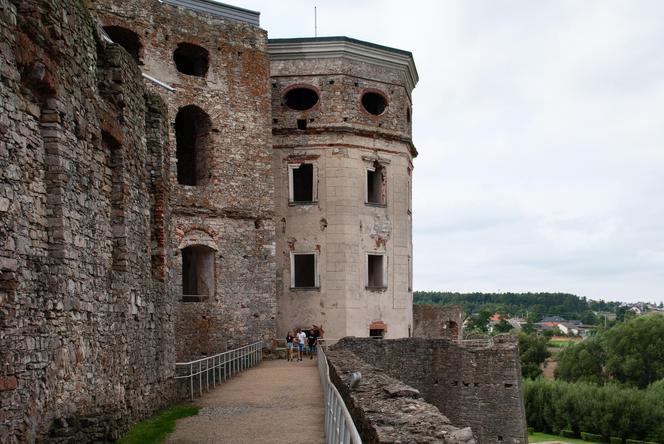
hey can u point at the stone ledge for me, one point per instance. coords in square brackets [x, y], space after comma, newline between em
[385, 410]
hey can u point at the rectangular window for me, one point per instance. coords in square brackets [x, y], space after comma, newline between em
[376, 333]
[376, 271]
[376, 185]
[304, 270]
[302, 183]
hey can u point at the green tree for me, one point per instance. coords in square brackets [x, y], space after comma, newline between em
[479, 322]
[582, 362]
[635, 351]
[528, 328]
[502, 327]
[533, 352]
[589, 318]
[630, 353]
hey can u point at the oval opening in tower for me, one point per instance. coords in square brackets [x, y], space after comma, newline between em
[374, 103]
[191, 59]
[300, 99]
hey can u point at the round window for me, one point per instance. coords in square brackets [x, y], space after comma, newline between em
[300, 99]
[374, 103]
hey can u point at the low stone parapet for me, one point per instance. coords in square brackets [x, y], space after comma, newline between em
[385, 410]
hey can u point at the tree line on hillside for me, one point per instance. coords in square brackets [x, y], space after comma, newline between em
[534, 306]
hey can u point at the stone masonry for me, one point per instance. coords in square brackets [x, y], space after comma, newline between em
[436, 321]
[85, 319]
[385, 410]
[474, 386]
[342, 139]
[230, 210]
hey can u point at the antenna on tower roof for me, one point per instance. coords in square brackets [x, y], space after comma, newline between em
[315, 22]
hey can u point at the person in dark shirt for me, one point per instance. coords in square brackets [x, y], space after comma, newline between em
[312, 339]
[289, 345]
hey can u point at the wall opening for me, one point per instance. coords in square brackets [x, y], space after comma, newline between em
[191, 59]
[126, 38]
[192, 135]
[376, 184]
[303, 270]
[302, 183]
[374, 103]
[376, 271]
[377, 329]
[452, 329]
[376, 333]
[197, 273]
[300, 99]
[301, 124]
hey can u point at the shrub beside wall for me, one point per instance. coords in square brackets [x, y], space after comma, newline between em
[604, 411]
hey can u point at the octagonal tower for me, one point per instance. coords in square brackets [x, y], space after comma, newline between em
[343, 162]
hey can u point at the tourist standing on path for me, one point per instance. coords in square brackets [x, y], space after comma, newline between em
[302, 336]
[313, 339]
[289, 345]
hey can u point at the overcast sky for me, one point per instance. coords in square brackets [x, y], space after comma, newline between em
[540, 128]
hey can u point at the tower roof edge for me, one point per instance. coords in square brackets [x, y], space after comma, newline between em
[340, 46]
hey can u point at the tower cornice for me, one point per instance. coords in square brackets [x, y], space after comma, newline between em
[345, 47]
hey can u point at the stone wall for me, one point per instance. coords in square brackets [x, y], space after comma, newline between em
[478, 388]
[86, 331]
[231, 210]
[385, 410]
[438, 321]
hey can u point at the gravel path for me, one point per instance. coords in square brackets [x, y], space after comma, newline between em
[276, 402]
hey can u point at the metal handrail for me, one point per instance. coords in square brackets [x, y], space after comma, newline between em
[219, 367]
[339, 426]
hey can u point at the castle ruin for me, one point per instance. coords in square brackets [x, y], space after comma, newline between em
[173, 185]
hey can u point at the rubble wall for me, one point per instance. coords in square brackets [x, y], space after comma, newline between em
[438, 321]
[385, 410]
[232, 211]
[86, 329]
[477, 388]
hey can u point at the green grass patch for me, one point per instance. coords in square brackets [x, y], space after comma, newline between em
[541, 437]
[156, 428]
[561, 344]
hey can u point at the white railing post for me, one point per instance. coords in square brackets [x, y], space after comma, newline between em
[191, 379]
[339, 425]
[231, 362]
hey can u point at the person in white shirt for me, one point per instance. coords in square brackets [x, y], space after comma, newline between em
[302, 336]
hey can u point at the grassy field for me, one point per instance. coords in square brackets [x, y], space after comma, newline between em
[561, 343]
[542, 437]
[155, 429]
